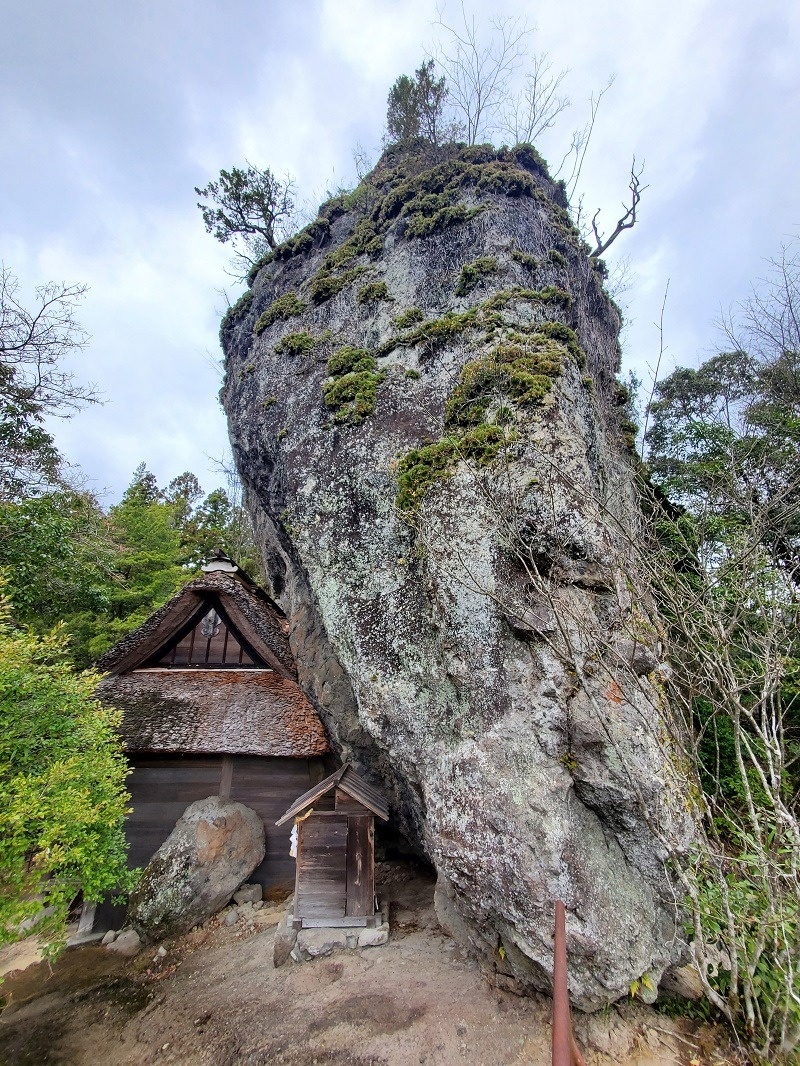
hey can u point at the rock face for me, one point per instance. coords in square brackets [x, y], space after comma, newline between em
[213, 848]
[422, 403]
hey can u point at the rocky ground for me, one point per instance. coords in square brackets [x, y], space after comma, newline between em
[216, 998]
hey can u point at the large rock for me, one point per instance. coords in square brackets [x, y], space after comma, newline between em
[214, 847]
[487, 658]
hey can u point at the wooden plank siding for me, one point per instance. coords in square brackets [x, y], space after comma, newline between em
[162, 787]
[322, 867]
[360, 865]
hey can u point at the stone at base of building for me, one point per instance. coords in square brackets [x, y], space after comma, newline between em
[305, 945]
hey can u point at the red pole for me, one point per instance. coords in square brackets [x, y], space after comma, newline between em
[562, 1051]
[565, 1050]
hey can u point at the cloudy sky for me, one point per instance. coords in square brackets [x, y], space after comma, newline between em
[110, 114]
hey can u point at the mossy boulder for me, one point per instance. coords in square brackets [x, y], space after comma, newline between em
[212, 850]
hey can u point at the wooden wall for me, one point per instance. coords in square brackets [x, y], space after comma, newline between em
[162, 787]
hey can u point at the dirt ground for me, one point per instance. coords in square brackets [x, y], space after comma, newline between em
[216, 999]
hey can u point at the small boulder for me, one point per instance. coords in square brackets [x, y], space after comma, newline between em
[285, 940]
[214, 847]
[317, 943]
[128, 943]
[109, 937]
[374, 938]
[248, 894]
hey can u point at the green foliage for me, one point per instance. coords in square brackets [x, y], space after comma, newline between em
[518, 371]
[414, 375]
[429, 219]
[530, 262]
[523, 372]
[289, 305]
[415, 106]
[249, 206]
[421, 467]
[352, 389]
[764, 986]
[409, 318]
[295, 344]
[62, 787]
[471, 273]
[237, 311]
[373, 292]
[550, 294]
[435, 333]
[59, 556]
[324, 285]
[557, 259]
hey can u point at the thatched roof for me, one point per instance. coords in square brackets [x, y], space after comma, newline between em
[259, 620]
[212, 706]
[235, 712]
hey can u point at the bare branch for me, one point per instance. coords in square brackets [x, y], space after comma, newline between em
[628, 220]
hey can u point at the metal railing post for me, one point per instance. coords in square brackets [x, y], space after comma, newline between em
[565, 1050]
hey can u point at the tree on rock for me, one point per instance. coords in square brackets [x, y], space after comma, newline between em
[416, 106]
[250, 207]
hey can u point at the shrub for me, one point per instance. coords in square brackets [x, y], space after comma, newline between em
[295, 344]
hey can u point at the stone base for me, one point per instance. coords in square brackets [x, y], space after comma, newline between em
[309, 944]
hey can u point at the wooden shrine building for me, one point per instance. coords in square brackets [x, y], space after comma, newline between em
[335, 882]
[211, 706]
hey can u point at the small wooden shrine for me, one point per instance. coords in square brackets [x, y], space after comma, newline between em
[335, 874]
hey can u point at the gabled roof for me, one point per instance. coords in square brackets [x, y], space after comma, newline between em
[257, 619]
[348, 781]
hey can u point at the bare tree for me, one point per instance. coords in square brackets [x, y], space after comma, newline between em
[479, 72]
[627, 220]
[538, 106]
[35, 340]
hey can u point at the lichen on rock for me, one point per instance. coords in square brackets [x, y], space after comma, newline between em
[443, 509]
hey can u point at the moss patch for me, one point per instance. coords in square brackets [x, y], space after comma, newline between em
[421, 467]
[237, 310]
[517, 371]
[287, 306]
[409, 318]
[295, 344]
[373, 292]
[530, 262]
[324, 285]
[424, 193]
[351, 391]
[471, 273]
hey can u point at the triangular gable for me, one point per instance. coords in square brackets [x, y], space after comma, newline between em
[167, 628]
[348, 781]
[208, 639]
